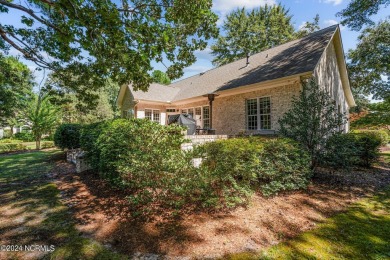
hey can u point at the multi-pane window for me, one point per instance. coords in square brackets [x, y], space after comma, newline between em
[265, 112]
[184, 111]
[206, 117]
[171, 110]
[251, 109]
[153, 115]
[258, 113]
[191, 112]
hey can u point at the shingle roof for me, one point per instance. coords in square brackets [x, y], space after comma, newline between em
[156, 92]
[291, 58]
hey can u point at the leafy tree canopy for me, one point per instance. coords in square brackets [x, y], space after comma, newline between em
[42, 116]
[378, 116]
[358, 12]
[369, 65]
[16, 83]
[309, 27]
[251, 32]
[161, 77]
[96, 39]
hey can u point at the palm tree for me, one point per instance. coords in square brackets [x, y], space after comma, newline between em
[42, 116]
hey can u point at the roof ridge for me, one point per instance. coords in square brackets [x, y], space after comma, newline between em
[289, 42]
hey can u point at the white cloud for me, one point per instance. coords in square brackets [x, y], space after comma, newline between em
[333, 22]
[197, 69]
[302, 25]
[204, 54]
[224, 6]
[334, 2]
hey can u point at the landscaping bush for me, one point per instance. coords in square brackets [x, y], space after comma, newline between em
[88, 142]
[144, 156]
[47, 144]
[340, 151]
[352, 149]
[8, 140]
[368, 145]
[236, 166]
[24, 136]
[12, 147]
[228, 171]
[383, 135]
[67, 136]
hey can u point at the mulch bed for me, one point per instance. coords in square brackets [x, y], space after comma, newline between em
[102, 212]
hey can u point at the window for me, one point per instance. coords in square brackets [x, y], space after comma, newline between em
[171, 110]
[265, 113]
[191, 112]
[206, 117]
[153, 115]
[258, 113]
[251, 108]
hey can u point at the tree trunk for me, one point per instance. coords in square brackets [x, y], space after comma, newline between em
[12, 131]
[38, 143]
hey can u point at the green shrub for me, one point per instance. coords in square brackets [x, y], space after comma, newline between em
[352, 149]
[24, 136]
[368, 145]
[340, 151]
[67, 136]
[228, 171]
[236, 166]
[143, 155]
[7, 140]
[47, 144]
[7, 133]
[88, 142]
[283, 166]
[12, 147]
[383, 135]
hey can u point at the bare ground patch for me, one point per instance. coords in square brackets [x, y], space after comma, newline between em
[102, 212]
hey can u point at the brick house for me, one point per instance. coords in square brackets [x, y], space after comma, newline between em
[250, 94]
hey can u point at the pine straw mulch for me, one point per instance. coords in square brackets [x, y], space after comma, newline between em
[102, 212]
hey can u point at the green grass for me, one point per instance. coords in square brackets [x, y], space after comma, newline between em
[31, 212]
[362, 232]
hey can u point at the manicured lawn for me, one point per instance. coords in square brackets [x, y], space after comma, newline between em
[362, 232]
[31, 212]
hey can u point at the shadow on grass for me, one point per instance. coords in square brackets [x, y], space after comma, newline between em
[32, 214]
[362, 232]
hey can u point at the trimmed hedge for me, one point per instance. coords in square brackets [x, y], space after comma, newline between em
[67, 136]
[47, 144]
[383, 135]
[236, 167]
[12, 147]
[9, 141]
[352, 149]
[24, 136]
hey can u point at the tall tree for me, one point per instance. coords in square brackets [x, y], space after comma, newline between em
[42, 117]
[378, 116]
[252, 31]
[358, 13]
[309, 27]
[312, 119]
[96, 39]
[369, 64]
[16, 83]
[161, 77]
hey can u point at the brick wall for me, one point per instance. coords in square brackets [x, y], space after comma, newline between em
[229, 112]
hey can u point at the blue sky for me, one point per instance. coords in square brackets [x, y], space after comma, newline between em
[302, 11]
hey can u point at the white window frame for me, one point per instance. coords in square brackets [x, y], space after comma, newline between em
[194, 110]
[259, 126]
[152, 117]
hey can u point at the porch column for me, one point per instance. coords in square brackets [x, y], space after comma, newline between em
[211, 98]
